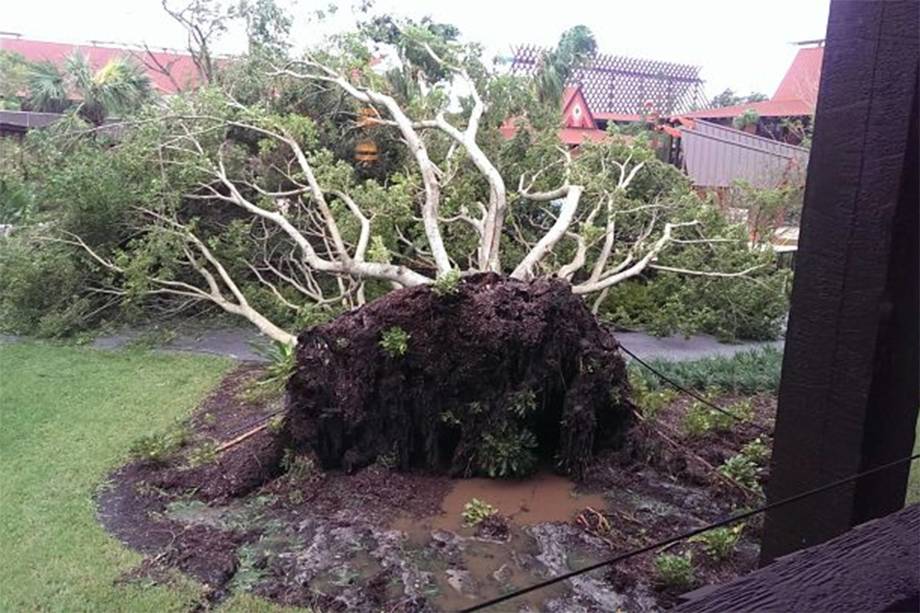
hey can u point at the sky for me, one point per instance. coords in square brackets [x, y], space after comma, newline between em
[739, 44]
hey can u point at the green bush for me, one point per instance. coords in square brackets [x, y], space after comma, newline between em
[40, 288]
[746, 372]
[674, 571]
[741, 469]
[665, 303]
[508, 452]
[720, 543]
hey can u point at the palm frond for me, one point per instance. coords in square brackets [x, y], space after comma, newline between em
[47, 88]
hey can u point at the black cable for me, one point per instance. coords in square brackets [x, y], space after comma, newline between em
[685, 535]
[690, 392]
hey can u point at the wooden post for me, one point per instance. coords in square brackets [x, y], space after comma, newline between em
[848, 399]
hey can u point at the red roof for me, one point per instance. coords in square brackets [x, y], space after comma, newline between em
[803, 77]
[767, 108]
[577, 136]
[796, 95]
[179, 66]
[575, 111]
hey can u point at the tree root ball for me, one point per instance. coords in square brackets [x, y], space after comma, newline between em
[490, 376]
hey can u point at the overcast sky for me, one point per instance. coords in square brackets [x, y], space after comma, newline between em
[741, 44]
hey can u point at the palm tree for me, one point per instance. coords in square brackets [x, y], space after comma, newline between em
[576, 47]
[117, 88]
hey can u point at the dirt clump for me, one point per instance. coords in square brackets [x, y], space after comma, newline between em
[487, 377]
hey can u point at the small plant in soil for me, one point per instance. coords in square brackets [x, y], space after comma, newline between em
[275, 424]
[298, 467]
[742, 409]
[741, 469]
[700, 419]
[447, 284]
[674, 571]
[720, 543]
[282, 359]
[204, 453]
[394, 341]
[157, 448]
[756, 451]
[476, 511]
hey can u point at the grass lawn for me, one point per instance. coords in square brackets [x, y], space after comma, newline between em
[68, 416]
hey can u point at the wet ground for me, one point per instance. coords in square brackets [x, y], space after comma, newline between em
[380, 539]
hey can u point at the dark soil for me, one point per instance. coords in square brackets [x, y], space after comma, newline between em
[255, 519]
[471, 356]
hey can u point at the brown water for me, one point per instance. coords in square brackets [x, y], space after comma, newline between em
[544, 497]
[493, 568]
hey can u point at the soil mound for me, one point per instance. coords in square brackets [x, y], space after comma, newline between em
[489, 376]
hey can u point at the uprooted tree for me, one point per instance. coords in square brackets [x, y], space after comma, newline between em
[258, 206]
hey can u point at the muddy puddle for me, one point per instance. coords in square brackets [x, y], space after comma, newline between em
[467, 569]
[543, 498]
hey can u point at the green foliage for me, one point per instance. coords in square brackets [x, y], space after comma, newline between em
[447, 284]
[674, 571]
[28, 268]
[205, 453]
[576, 46]
[742, 469]
[476, 510]
[745, 372]
[720, 543]
[729, 98]
[159, 447]
[756, 451]
[394, 341]
[769, 208]
[298, 466]
[701, 419]
[507, 452]
[119, 87]
[282, 359]
[522, 403]
[749, 117]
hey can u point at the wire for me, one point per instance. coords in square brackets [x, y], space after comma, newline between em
[685, 535]
[690, 392]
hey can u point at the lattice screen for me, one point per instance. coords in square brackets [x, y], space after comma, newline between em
[617, 84]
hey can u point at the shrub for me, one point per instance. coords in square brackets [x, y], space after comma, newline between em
[741, 469]
[282, 361]
[476, 511]
[700, 419]
[746, 372]
[298, 467]
[508, 452]
[674, 571]
[28, 269]
[756, 451]
[720, 543]
[730, 309]
[446, 284]
[394, 341]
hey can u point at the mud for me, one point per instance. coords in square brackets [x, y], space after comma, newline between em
[384, 539]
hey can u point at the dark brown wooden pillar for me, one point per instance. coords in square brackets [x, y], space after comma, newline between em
[848, 399]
